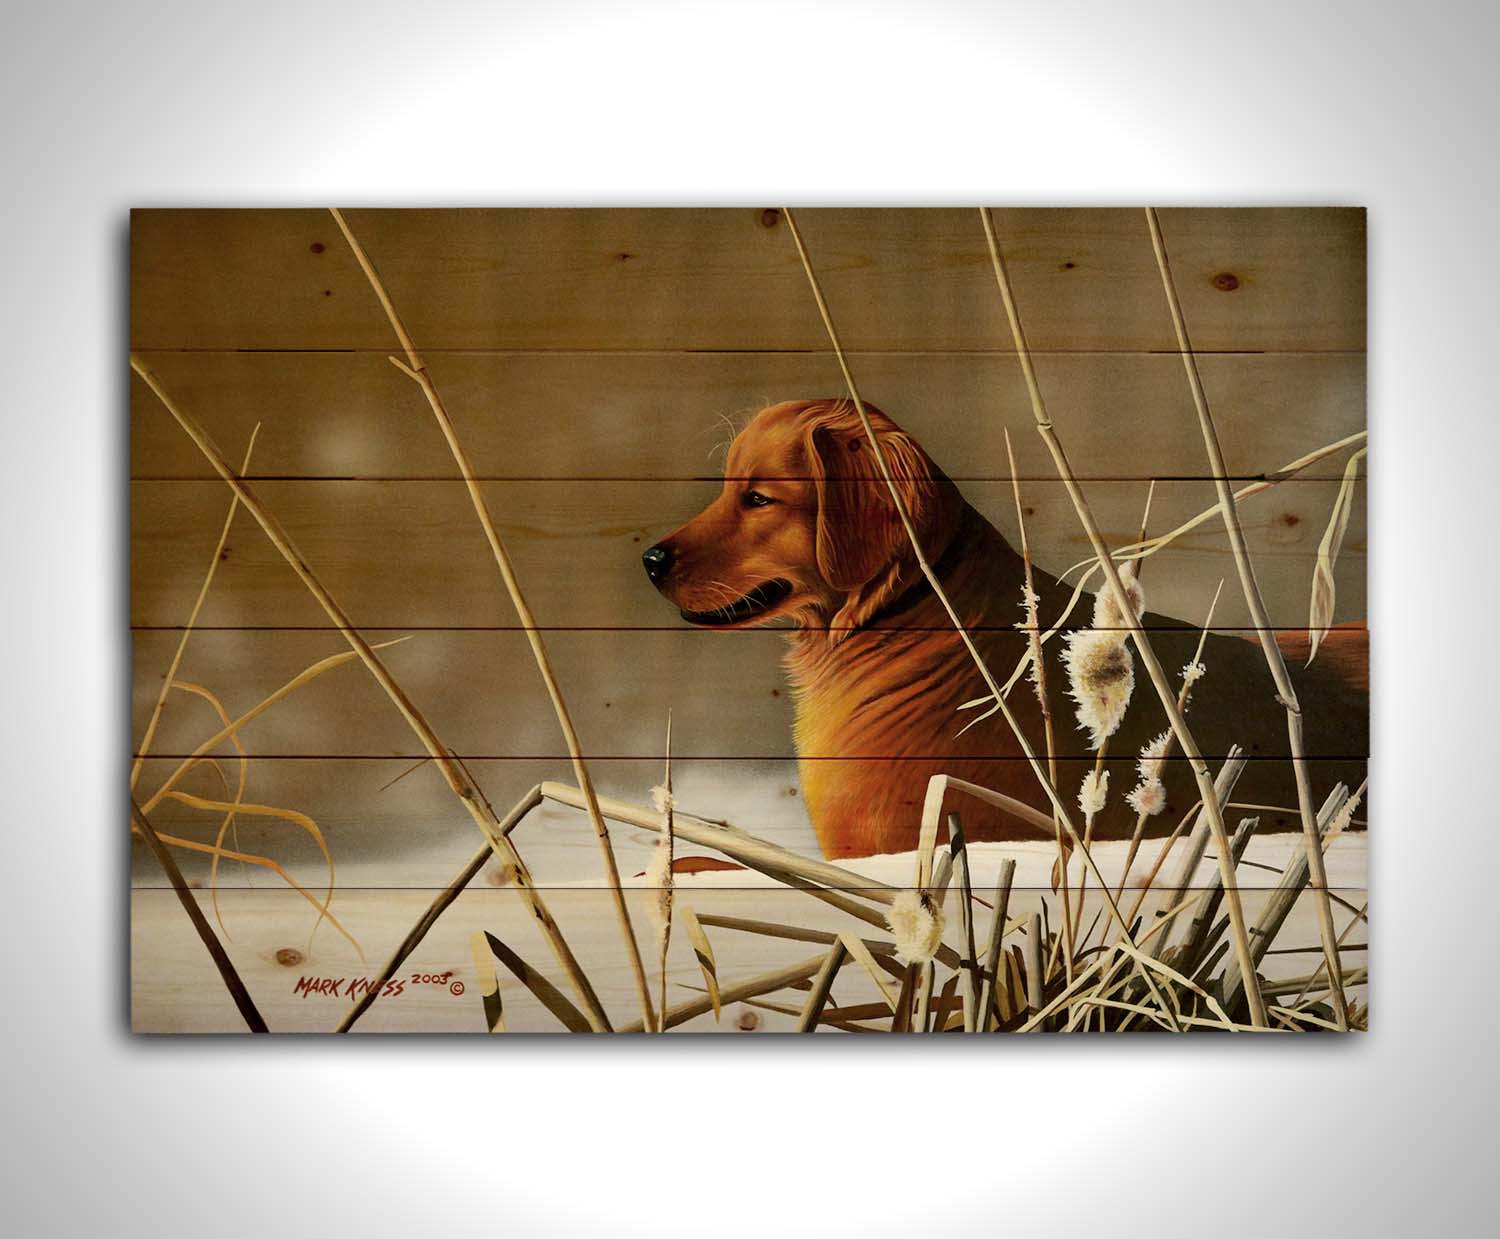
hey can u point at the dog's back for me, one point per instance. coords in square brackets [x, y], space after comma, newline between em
[880, 712]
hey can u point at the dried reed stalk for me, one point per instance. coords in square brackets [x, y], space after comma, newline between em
[1286, 694]
[215, 948]
[958, 846]
[1183, 694]
[991, 975]
[1282, 900]
[1138, 635]
[1044, 700]
[754, 987]
[732, 842]
[1033, 951]
[192, 620]
[664, 896]
[817, 997]
[436, 909]
[416, 370]
[458, 780]
[878, 947]
[1141, 550]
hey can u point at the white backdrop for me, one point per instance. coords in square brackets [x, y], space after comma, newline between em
[111, 106]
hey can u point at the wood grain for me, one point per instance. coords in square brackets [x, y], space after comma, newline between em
[1291, 280]
[388, 823]
[662, 415]
[174, 988]
[727, 690]
[405, 553]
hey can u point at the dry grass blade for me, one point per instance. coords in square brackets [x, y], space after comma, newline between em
[187, 630]
[416, 370]
[489, 983]
[215, 948]
[239, 797]
[1320, 609]
[1142, 550]
[542, 989]
[703, 949]
[263, 862]
[436, 909]
[1138, 635]
[261, 810]
[231, 730]
[458, 780]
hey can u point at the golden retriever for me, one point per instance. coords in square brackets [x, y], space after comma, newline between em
[805, 531]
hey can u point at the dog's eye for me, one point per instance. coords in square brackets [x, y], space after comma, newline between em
[754, 499]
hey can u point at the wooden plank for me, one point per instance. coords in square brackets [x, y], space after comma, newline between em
[729, 279]
[662, 415]
[483, 696]
[411, 552]
[174, 987]
[396, 798]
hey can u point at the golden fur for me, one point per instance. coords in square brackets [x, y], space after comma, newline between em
[805, 530]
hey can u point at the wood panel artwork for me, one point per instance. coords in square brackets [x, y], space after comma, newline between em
[838, 620]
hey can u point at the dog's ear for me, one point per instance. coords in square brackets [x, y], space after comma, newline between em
[863, 550]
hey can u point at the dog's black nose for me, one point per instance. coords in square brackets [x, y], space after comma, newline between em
[658, 560]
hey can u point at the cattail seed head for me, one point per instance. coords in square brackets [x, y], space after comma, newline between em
[1093, 791]
[658, 879]
[1107, 613]
[1153, 757]
[1149, 798]
[1101, 678]
[916, 925]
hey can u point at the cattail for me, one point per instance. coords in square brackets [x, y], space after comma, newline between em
[1149, 798]
[1343, 818]
[1030, 624]
[1101, 673]
[1107, 613]
[1092, 792]
[659, 879]
[1150, 795]
[916, 925]
[1101, 677]
[659, 871]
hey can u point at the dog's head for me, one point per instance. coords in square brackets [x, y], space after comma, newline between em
[805, 526]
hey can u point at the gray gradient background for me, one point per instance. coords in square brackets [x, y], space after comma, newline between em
[371, 103]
